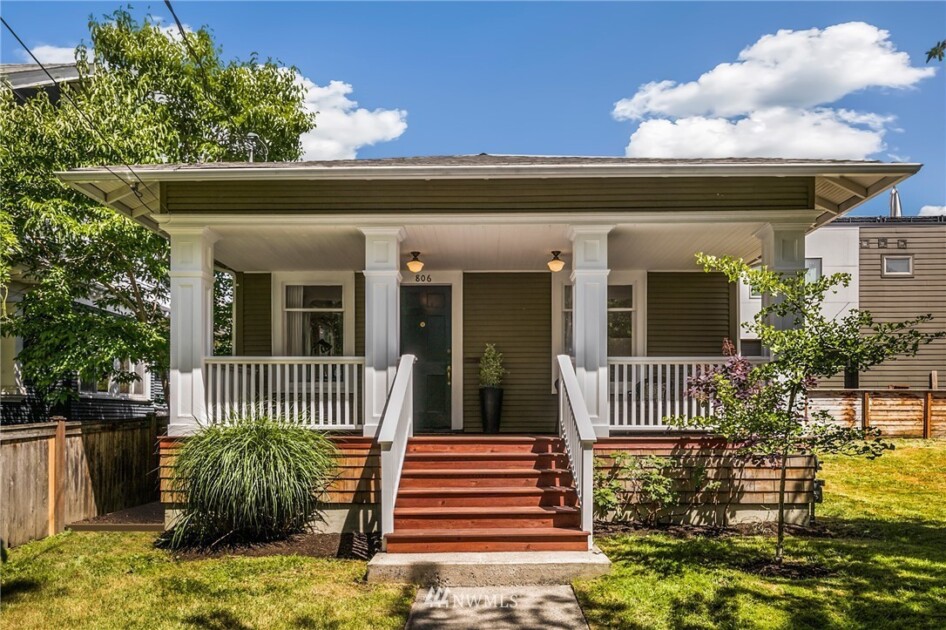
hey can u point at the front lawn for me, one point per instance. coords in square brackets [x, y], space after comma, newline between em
[119, 580]
[883, 566]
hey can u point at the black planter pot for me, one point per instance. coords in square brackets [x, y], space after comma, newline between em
[491, 408]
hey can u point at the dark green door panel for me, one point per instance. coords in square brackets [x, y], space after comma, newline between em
[425, 332]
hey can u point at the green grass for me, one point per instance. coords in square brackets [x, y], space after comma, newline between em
[119, 580]
[886, 560]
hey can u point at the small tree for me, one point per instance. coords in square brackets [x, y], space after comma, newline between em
[762, 408]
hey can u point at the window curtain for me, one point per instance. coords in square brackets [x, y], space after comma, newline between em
[296, 330]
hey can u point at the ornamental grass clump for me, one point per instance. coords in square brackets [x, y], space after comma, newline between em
[250, 480]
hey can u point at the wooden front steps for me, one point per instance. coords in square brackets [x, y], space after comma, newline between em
[486, 494]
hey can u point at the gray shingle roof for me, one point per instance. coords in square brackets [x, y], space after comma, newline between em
[485, 159]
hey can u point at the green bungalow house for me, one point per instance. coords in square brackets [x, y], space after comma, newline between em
[367, 290]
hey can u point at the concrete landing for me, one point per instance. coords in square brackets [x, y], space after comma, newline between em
[498, 568]
[497, 608]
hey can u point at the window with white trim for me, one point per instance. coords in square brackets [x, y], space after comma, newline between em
[812, 269]
[314, 316]
[621, 309]
[107, 386]
[897, 266]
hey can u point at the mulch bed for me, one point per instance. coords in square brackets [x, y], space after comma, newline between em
[814, 530]
[352, 546]
[147, 517]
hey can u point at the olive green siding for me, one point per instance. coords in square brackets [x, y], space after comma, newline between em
[896, 299]
[698, 194]
[254, 314]
[513, 311]
[689, 314]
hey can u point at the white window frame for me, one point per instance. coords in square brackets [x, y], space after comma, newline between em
[820, 267]
[114, 391]
[636, 278]
[895, 274]
[282, 279]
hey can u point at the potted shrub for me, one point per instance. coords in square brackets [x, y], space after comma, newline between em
[491, 394]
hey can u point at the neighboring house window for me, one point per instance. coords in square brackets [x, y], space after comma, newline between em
[898, 266]
[315, 317]
[620, 320]
[812, 269]
[109, 387]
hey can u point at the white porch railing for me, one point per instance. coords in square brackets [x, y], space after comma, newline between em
[644, 390]
[397, 426]
[323, 392]
[574, 425]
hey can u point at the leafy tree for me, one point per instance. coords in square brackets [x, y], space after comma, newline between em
[761, 408]
[937, 52]
[223, 314]
[141, 99]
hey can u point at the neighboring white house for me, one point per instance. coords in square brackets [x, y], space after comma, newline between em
[831, 249]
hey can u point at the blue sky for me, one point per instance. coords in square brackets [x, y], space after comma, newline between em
[544, 78]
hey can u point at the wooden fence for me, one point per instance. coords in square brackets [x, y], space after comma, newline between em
[914, 413]
[57, 473]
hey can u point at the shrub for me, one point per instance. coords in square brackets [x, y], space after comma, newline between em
[635, 488]
[249, 480]
[491, 367]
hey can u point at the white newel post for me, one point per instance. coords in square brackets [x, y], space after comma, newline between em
[192, 281]
[382, 318]
[783, 250]
[590, 296]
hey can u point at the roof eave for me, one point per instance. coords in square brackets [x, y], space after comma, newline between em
[290, 172]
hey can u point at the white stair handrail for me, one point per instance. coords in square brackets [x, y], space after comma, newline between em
[397, 426]
[579, 435]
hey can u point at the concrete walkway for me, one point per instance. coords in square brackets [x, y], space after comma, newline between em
[497, 608]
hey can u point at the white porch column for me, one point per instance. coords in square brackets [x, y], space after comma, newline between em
[590, 299]
[783, 250]
[382, 318]
[192, 282]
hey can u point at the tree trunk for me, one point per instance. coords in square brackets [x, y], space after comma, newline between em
[780, 541]
[780, 544]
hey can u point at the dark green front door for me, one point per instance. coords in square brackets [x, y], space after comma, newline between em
[425, 333]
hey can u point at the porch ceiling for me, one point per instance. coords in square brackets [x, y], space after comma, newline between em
[479, 247]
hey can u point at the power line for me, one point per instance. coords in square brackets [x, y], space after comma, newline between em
[65, 93]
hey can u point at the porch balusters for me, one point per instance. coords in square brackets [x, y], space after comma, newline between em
[323, 393]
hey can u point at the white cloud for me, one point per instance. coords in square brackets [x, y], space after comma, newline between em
[778, 131]
[770, 102]
[933, 211]
[789, 69]
[50, 54]
[342, 126]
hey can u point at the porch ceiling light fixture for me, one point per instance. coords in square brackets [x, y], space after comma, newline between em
[556, 264]
[415, 264]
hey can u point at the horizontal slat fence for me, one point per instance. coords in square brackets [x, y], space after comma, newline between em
[357, 475]
[714, 486]
[56, 473]
[914, 413]
[324, 393]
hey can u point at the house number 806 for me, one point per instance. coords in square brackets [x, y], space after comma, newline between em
[423, 277]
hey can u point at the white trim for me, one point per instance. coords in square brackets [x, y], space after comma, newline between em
[282, 278]
[804, 217]
[634, 277]
[895, 274]
[494, 171]
[453, 279]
